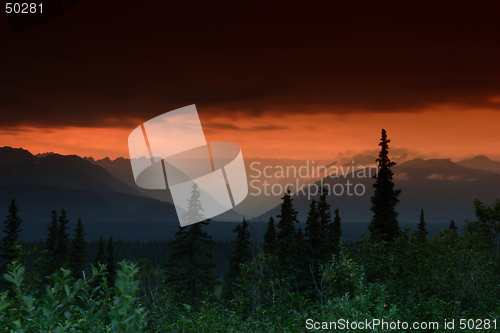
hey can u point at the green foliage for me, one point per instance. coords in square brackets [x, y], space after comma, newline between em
[450, 276]
[68, 305]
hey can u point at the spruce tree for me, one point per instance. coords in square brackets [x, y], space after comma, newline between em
[62, 241]
[315, 236]
[52, 261]
[78, 251]
[335, 233]
[422, 231]
[270, 238]
[50, 242]
[241, 254]
[286, 237]
[453, 226]
[384, 225]
[331, 234]
[12, 230]
[110, 263]
[190, 271]
[100, 258]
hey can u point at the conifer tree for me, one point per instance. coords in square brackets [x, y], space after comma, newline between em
[12, 231]
[242, 254]
[190, 271]
[286, 237]
[270, 238]
[422, 231]
[100, 258]
[384, 225]
[335, 233]
[53, 259]
[78, 251]
[453, 226]
[315, 236]
[110, 263]
[62, 240]
[51, 241]
[324, 214]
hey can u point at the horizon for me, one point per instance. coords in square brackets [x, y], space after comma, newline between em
[345, 159]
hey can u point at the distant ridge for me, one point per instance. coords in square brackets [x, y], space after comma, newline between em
[481, 162]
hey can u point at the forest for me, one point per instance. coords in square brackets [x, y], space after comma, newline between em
[291, 280]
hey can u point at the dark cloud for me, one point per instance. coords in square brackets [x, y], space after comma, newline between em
[108, 62]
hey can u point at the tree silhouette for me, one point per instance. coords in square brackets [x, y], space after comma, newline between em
[241, 255]
[315, 236]
[110, 263]
[335, 233]
[422, 231]
[270, 238]
[190, 271]
[384, 225]
[286, 237]
[57, 243]
[453, 226]
[78, 251]
[194, 211]
[62, 241]
[12, 231]
[100, 258]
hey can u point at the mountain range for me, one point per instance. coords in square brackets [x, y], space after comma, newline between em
[103, 193]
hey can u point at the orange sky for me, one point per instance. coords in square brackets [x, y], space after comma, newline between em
[307, 82]
[441, 132]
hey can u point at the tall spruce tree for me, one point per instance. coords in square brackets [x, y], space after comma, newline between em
[241, 254]
[12, 230]
[78, 251]
[56, 244]
[270, 238]
[110, 262]
[50, 242]
[335, 233]
[422, 230]
[287, 235]
[62, 242]
[384, 225]
[190, 270]
[325, 217]
[315, 236]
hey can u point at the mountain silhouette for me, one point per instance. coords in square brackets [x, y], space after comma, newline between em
[444, 189]
[481, 162]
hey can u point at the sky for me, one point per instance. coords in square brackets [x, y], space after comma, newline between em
[294, 79]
